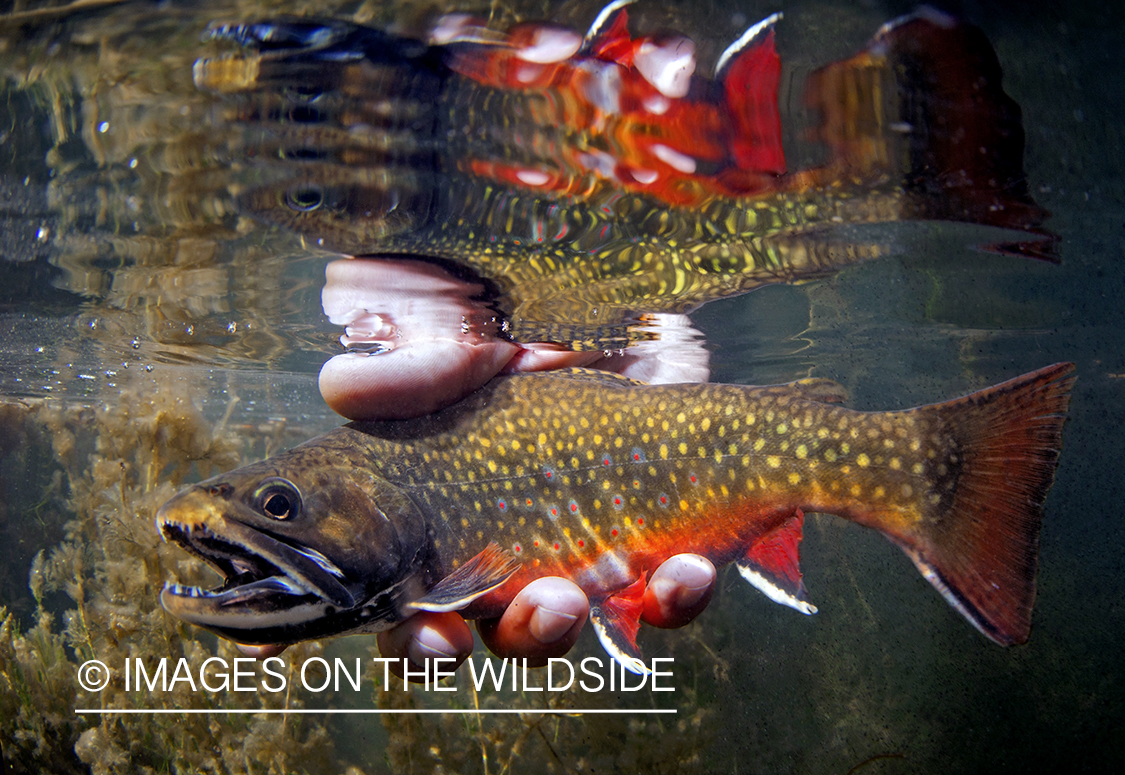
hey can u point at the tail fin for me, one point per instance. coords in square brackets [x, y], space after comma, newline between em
[924, 105]
[981, 550]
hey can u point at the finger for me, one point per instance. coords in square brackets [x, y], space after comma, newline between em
[543, 621]
[412, 380]
[678, 591]
[427, 635]
[418, 339]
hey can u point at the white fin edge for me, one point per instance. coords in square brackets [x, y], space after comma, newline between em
[746, 39]
[627, 661]
[604, 16]
[774, 592]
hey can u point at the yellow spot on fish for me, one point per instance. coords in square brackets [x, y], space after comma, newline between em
[794, 478]
[802, 451]
[830, 455]
[759, 444]
[782, 428]
[917, 468]
[773, 461]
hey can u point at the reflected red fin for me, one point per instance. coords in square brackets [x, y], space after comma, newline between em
[750, 83]
[609, 38]
[616, 620]
[773, 565]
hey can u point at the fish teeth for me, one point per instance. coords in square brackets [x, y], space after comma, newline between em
[182, 590]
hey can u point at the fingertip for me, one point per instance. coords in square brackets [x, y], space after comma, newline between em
[543, 621]
[679, 591]
[410, 381]
[426, 636]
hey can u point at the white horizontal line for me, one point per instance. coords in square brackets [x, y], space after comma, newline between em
[471, 711]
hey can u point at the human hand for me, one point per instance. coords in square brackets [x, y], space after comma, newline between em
[419, 339]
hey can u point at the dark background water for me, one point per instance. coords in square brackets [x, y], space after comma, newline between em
[885, 668]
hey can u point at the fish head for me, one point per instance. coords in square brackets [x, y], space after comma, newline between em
[308, 548]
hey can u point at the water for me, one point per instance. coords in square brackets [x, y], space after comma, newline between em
[154, 330]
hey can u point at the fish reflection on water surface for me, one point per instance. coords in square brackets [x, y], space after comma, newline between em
[534, 179]
[600, 479]
[585, 189]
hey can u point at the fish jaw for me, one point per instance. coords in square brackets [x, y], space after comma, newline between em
[274, 591]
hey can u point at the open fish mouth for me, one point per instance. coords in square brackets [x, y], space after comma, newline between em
[268, 584]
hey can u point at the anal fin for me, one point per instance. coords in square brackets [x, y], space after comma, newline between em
[616, 621]
[481, 574]
[773, 565]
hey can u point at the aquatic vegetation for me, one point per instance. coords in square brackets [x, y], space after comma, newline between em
[95, 595]
[119, 461]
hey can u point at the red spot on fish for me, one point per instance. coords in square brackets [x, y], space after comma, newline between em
[693, 479]
[556, 546]
[502, 504]
[613, 532]
[518, 548]
[536, 542]
[581, 543]
[640, 520]
[573, 507]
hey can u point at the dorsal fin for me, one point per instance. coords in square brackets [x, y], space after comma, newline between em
[596, 376]
[825, 391]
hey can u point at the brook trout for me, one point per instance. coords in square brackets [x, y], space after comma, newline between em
[618, 180]
[599, 479]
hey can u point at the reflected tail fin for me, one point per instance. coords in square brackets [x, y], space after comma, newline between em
[923, 104]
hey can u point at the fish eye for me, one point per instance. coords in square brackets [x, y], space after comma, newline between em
[304, 200]
[278, 499]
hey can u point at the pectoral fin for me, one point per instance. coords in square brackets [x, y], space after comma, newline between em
[616, 621]
[773, 565]
[483, 573]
